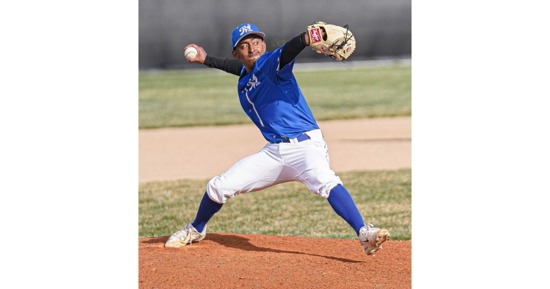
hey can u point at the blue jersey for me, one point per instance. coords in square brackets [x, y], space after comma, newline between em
[273, 100]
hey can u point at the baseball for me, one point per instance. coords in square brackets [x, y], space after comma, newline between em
[190, 52]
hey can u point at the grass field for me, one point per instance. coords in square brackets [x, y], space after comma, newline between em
[383, 197]
[209, 97]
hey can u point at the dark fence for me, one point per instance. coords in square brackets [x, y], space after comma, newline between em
[382, 28]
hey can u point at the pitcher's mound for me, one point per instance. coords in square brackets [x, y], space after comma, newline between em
[259, 261]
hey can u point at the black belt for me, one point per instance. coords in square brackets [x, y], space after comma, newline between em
[300, 138]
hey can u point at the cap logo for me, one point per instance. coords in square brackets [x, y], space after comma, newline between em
[245, 29]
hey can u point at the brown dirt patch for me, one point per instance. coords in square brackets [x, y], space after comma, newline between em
[259, 261]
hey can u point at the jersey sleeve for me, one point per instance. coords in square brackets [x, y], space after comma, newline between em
[228, 65]
[284, 72]
[292, 48]
[270, 66]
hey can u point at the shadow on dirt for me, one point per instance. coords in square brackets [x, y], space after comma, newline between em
[242, 243]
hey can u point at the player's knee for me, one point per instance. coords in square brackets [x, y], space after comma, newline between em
[215, 192]
[325, 190]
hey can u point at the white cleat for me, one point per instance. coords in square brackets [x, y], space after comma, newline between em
[372, 238]
[185, 236]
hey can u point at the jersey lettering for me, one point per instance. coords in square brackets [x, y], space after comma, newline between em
[253, 83]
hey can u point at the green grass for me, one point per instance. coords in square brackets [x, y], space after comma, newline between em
[209, 97]
[383, 197]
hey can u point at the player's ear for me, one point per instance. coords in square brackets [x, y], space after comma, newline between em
[234, 53]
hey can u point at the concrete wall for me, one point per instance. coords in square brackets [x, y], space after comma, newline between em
[381, 28]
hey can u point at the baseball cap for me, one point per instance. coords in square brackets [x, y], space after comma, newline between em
[244, 30]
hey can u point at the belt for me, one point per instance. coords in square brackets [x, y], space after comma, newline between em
[300, 138]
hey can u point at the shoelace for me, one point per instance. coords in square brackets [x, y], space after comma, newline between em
[369, 226]
[190, 234]
[180, 234]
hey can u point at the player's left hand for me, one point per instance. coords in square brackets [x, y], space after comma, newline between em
[332, 40]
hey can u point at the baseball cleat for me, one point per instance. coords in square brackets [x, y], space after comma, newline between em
[185, 236]
[372, 238]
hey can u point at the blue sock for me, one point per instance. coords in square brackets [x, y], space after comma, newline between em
[345, 207]
[207, 209]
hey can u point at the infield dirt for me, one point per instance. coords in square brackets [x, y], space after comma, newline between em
[225, 260]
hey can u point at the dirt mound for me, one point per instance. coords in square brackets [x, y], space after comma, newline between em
[259, 261]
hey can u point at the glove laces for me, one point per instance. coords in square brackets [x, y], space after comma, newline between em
[347, 37]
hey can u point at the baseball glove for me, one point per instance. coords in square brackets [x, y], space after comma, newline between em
[332, 40]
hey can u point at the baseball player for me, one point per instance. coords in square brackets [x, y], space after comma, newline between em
[295, 151]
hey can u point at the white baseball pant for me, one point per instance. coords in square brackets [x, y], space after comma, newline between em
[306, 162]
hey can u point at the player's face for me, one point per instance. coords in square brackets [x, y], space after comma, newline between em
[249, 50]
